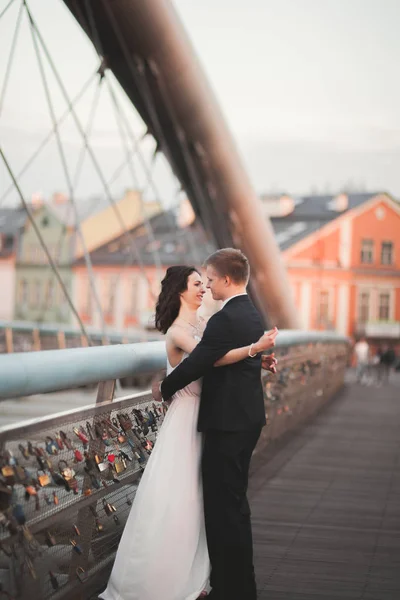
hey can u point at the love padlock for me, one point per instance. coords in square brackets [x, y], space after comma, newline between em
[51, 445]
[82, 574]
[8, 473]
[50, 539]
[76, 546]
[82, 435]
[43, 478]
[99, 526]
[24, 451]
[78, 455]
[65, 440]
[53, 581]
[108, 508]
[19, 514]
[102, 463]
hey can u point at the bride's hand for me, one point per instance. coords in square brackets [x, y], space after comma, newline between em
[269, 362]
[266, 341]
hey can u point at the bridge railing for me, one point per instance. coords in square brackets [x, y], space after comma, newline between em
[24, 336]
[60, 530]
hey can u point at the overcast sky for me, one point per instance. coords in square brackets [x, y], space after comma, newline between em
[310, 88]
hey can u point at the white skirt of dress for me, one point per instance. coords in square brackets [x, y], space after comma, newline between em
[163, 552]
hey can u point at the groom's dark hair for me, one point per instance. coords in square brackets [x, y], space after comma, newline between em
[231, 263]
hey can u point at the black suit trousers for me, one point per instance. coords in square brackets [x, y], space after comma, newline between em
[225, 471]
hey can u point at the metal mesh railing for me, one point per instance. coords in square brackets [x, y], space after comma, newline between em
[309, 374]
[60, 529]
[73, 479]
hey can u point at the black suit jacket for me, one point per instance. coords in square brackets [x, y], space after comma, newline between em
[232, 396]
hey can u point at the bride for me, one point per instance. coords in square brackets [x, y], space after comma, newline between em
[163, 552]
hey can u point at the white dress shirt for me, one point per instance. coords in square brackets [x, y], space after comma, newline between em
[235, 296]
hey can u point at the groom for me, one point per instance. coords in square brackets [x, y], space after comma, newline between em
[231, 416]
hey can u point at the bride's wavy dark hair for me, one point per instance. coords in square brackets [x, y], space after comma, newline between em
[168, 304]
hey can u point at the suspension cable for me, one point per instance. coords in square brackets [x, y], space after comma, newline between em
[78, 171]
[126, 263]
[146, 221]
[3, 12]
[44, 247]
[149, 229]
[49, 136]
[90, 151]
[193, 248]
[142, 84]
[149, 178]
[139, 85]
[11, 55]
[193, 174]
[67, 176]
[128, 58]
[165, 146]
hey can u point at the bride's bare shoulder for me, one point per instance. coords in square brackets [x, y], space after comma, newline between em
[175, 334]
[171, 332]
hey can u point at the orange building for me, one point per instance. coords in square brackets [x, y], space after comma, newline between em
[343, 259]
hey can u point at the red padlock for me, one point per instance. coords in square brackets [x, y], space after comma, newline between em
[78, 456]
[59, 441]
[81, 435]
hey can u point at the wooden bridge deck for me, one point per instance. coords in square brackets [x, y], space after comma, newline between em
[326, 508]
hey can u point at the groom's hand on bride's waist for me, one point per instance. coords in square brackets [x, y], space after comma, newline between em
[156, 392]
[156, 386]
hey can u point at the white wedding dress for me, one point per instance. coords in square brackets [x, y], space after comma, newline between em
[163, 552]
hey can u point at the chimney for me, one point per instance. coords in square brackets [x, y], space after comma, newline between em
[339, 203]
[37, 200]
[59, 199]
[277, 206]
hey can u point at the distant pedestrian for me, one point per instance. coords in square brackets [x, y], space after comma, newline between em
[361, 353]
[386, 363]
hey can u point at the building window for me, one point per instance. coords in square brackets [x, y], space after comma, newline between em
[62, 299]
[134, 296]
[34, 254]
[384, 306]
[367, 251]
[50, 293]
[111, 292]
[8, 242]
[38, 293]
[42, 257]
[323, 307]
[363, 307]
[23, 292]
[86, 297]
[35, 293]
[28, 253]
[387, 253]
